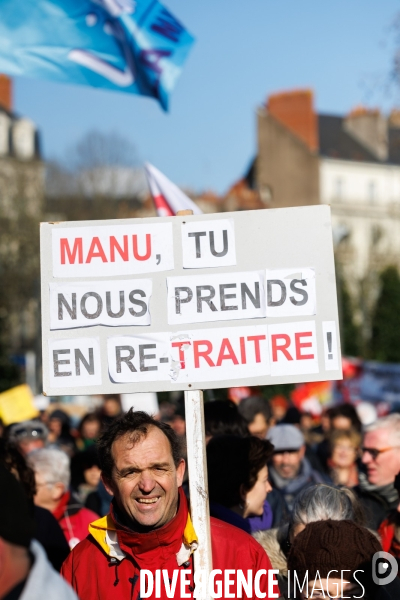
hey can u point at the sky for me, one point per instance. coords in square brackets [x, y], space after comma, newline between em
[243, 52]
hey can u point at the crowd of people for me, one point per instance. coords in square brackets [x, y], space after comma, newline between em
[86, 506]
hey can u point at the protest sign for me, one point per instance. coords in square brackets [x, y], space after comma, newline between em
[189, 302]
[17, 404]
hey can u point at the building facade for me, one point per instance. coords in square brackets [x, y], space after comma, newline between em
[351, 163]
[21, 210]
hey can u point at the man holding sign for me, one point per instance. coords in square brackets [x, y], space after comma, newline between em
[145, 545]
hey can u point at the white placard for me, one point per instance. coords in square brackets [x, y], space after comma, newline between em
[331, 355]
[224, 353]
[291, 246]
[216, 297]
[113, 303]
[139, 358]
[293, 348]
[146, 401]
[290, 292]
[109, 250]
[208, 243]
[74, 362]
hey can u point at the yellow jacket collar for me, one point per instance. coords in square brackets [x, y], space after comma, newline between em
[104, 532]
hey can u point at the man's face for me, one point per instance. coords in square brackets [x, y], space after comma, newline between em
[29, 445]
[48, 494]
[341, 422]
[288, 463]
[145, 480]
[383, 469]
[259, 426]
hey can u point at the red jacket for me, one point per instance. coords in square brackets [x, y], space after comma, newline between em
[74, 519]
[108, 562]
[389, 542]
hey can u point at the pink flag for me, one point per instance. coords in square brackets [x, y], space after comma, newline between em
[167, 197]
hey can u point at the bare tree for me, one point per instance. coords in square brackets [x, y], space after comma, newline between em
[99, 179]
[95, 150]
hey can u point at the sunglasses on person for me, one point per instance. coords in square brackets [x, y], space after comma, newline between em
[28, 431]
[375, 452]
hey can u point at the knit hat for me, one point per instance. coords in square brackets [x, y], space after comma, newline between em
[333, 545]
[285, 437]
[16, 523]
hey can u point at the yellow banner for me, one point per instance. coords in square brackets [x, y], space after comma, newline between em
[16, 405]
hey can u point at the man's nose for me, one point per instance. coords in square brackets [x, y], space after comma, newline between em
[398, 507]
[366, 458]
[146, 482]
[268, 487]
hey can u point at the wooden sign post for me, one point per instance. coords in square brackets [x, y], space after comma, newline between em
[198, 484]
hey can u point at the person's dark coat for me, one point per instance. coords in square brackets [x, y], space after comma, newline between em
[377, 507]
[50, 535]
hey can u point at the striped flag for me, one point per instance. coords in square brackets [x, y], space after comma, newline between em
[168, 198]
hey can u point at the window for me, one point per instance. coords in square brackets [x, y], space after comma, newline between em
[23, 137]
[4, 134]
[338, 189]
[371, 192]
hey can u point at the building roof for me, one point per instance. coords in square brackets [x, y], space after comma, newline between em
[335, 142]
[394, 145]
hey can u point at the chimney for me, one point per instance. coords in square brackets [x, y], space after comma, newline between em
[295, 110]
[370, 128]
[394, 118]
[6, 92]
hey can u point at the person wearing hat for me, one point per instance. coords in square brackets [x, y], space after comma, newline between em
[290, 471]
[28, 436]
[335, 559]
[25, 572]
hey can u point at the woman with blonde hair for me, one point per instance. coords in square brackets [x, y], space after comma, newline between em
[344, 448]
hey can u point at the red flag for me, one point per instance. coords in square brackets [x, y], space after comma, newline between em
[167, 197]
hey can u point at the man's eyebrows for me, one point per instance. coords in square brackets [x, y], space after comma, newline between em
[130, 468]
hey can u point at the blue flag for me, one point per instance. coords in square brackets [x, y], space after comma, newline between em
[134, 46]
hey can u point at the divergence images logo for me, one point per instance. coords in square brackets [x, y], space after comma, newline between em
[384, 568]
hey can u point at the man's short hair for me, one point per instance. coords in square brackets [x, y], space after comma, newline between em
[52, 464]
[136, 425]
[390, 423]
[252, 406]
